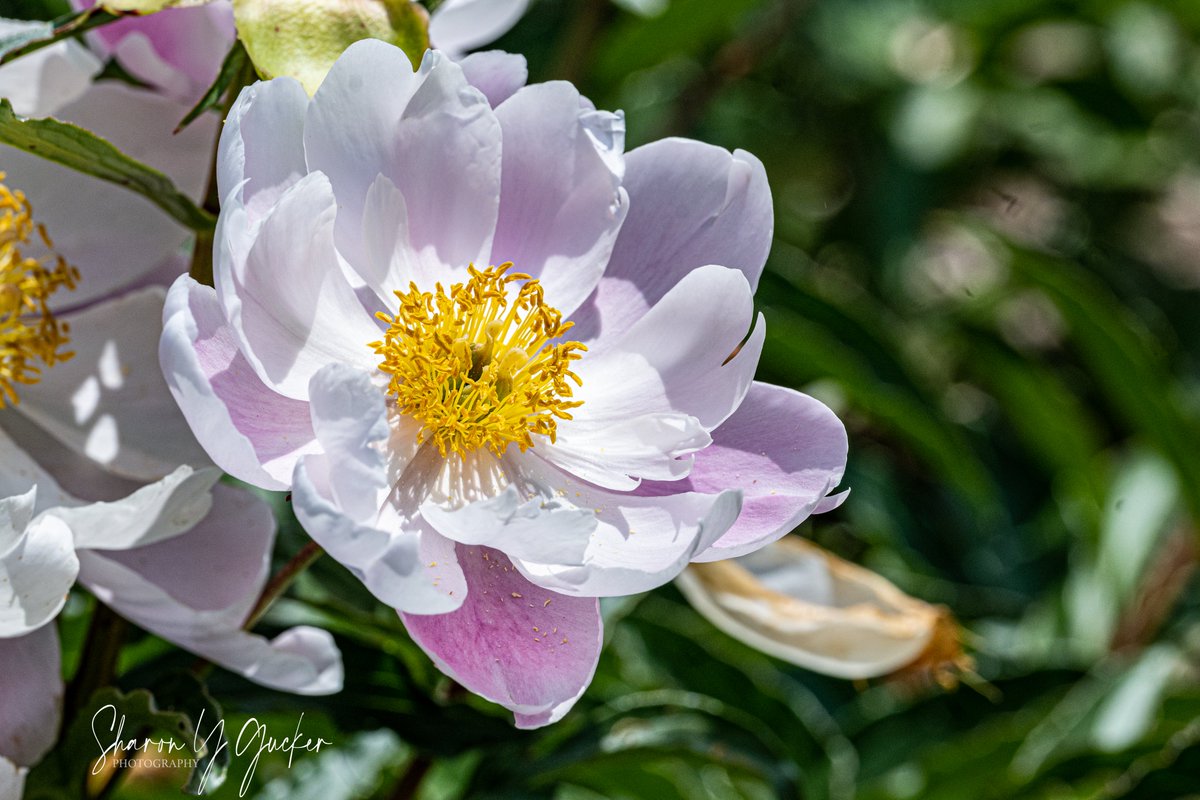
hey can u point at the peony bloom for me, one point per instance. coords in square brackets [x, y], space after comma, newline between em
[491, 355]
[98, 471]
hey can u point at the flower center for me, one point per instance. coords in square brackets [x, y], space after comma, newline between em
[474, 365]
[29, 332]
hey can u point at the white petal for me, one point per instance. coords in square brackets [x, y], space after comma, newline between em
[31, 695]
[110, 402]
[249, 430]
[19, 473]
[561, 202]
[639, 542]
[44, 81]
[36, 572]
[687, 339]
[545, 530]
[114, 236]
[495, 73]
[262, 143]
[407, 565]
[460, 25]
[155, 512]
[289, 301]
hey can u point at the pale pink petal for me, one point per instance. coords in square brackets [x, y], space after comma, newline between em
[430, 133]
[196, 590]
[157, 511]
[404, 562]
[41, 83]
[109, 402]
[31, 695]
[691, 204]
[639, 542]
[289, 302]
[561, 202]
[262, 144]
[248, 429]
[178, 50]
[784, 450]
[460, 25]
[529, 649]
[37, 566]
[114, 236]
[495, 73]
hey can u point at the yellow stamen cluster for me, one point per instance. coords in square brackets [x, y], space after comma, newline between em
[29, 332]
[475, 364]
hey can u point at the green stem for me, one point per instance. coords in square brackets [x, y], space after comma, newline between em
[410, 782]
[98, 663]
[279, 583]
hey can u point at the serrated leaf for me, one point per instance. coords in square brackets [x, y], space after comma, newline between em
[84, 151]
[110, 715]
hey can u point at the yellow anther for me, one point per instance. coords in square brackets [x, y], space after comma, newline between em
[29, 333]
[475, 366]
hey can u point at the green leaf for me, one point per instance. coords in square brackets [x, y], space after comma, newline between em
[61, 28]
[86, 152]
[233, 66]
[184, 692]
[110, 715]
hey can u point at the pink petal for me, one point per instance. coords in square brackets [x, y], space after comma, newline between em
[196, 589]
[248, 429]
[177, 50]
[30, 698]
[691, 204]
[495, 73]
[529, 649]
[109, 402]
[784, 450]
[561, 202]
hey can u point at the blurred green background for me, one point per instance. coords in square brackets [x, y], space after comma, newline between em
[987, 261]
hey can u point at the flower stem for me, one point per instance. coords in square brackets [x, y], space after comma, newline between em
[98, 663]
[281, 580]
[410, 782]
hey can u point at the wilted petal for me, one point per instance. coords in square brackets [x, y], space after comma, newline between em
[110, 402]
[196, 590]
[248, 429]
[529, 649]
[31, 695]
[794, 601]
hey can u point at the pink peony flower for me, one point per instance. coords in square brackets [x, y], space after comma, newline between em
[101, 480]
[493, 356]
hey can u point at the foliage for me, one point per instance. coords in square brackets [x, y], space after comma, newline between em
[987, 260]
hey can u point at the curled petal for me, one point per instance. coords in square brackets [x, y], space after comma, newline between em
[796, 602]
